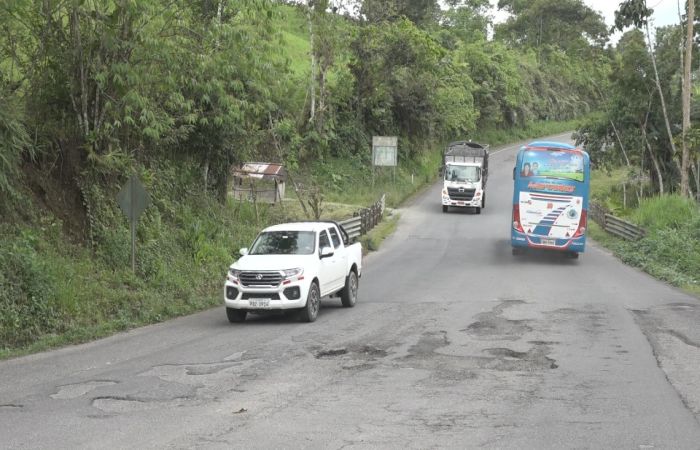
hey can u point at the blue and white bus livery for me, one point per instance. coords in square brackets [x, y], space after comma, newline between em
[550, 198]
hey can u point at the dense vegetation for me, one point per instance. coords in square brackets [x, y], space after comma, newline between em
[641, 125]
[646, 146]
[178, 92]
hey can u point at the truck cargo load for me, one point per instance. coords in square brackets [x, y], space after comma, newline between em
[467, 152]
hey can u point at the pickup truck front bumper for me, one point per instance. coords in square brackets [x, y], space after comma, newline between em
[285, 296]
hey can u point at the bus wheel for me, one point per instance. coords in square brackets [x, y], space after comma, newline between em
[444, 208]
[572, 255]
[517, 251]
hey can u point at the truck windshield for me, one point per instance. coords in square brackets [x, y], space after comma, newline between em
[284, 243]
[462, 173]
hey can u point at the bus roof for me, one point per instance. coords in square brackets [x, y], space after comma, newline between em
[551, 144]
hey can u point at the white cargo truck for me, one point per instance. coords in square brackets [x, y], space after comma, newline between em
[465, 170]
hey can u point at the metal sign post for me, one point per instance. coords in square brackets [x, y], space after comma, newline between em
[133, 200]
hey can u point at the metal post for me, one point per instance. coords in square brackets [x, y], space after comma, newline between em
[133, 246]
[133, 223]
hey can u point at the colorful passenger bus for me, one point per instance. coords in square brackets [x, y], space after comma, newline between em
[550, 198]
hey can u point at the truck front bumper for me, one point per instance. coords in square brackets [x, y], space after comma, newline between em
[473, 203]
[285, 296]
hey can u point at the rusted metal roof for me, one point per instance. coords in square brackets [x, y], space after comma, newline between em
[261, 171]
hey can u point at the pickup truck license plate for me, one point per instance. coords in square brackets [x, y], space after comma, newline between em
[260, 302]
[548, 242]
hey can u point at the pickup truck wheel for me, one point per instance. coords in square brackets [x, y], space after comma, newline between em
[444, 208]
[348, 296]
[483, 201]
[478, 210]
[236, 315]
[313, 304]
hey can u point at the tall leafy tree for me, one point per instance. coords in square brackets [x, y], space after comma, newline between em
[569, 24]
[420, 12]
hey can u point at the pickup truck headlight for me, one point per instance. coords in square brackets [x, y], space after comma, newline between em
[289, 273]
[233, 274]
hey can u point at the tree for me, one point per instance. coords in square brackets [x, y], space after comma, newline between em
[421, 12]
[687, 60]
[467, 20]
[636, 12]
[568, 24]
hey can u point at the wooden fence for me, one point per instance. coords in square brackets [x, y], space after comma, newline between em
[614, 225]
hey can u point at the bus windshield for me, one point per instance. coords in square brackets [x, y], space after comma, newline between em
[462, 173]
[564, 165]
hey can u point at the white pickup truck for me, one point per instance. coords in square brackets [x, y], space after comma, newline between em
[291, 266]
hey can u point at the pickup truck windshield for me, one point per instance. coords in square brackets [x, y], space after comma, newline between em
[462, 173]
[284, 243]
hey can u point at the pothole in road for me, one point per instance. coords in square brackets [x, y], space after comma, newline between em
[428, 343]
[493, 325]
[121, 404]
[331, 353]
[71, 391]
[11, 406]
[124, 404]
[510, 360]
[506, 352]
[360, 351]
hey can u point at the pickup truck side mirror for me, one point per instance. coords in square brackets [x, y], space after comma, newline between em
[243, 251]
[326, 252]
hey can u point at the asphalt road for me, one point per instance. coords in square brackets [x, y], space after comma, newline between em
[453, 343]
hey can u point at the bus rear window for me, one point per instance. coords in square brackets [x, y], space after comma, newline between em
[563, 165]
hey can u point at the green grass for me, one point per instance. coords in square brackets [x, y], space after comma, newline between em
[373, 240]
[670, 251]
[603, 182]
[297, 50]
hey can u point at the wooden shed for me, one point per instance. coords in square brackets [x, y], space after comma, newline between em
[262, 182]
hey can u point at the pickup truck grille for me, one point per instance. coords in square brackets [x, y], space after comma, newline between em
[260, 278]
[461, 194]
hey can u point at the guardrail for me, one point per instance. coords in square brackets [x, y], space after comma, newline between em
[352, 226]
[622, 228]
[614, 225]
[363, 220]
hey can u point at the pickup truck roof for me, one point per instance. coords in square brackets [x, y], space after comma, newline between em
[315, 226]
[300, 226]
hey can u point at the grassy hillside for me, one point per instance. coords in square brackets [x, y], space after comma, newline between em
[671, 249]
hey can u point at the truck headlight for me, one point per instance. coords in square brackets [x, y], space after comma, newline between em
[233, 274]
[296, 272]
